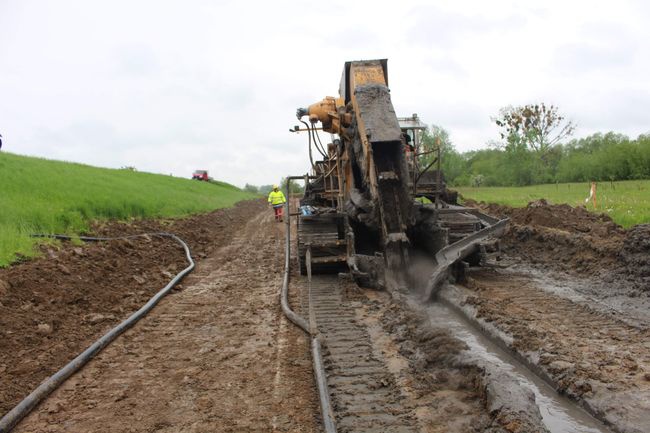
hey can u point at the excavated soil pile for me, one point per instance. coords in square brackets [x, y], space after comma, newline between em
[561, 216]
[577, 241]
[636, 251]
[53, 307]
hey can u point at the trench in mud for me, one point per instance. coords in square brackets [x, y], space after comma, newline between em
[559, 414]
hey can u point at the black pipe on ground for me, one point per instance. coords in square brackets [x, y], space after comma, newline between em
[317, 358]
[11, 418]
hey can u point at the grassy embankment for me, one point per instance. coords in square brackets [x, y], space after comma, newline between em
[43, 196]
[626, 202]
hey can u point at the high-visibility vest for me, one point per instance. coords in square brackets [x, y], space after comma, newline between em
[276, 197]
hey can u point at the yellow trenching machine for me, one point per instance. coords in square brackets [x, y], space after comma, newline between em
[360, 209]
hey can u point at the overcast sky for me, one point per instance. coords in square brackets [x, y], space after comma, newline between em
[173, 86]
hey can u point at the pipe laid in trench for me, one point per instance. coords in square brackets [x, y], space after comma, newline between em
[11, 418]
[317, 358]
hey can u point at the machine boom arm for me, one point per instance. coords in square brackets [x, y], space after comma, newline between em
[365, 119]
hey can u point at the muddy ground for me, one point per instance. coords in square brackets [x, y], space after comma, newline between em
[390, 369]
[572, 297]
[217, 354]
[581, 243]
[449, 392]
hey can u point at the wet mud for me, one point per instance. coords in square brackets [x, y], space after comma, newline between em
[457, 392]
[571, 299]
[559, 414]
[580, 243]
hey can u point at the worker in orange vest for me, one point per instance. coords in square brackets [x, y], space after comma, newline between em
[277, 200]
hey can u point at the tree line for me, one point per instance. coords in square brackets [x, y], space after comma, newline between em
[535, 149]
[294, 188]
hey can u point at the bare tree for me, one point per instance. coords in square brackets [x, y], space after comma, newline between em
[535, 127]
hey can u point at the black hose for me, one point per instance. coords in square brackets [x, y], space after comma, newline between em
[284, 301]
[317, 357]
[319, 144]
[311, 159]
[312, 137]
[9, 421]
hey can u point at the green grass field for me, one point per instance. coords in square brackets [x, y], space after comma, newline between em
[627, 202]
[43, 196]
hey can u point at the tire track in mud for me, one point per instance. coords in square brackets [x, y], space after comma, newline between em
[364, 395]
[586, 353]
[387, 373]
[200, 361]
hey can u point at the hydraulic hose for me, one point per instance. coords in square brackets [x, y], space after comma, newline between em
[311, 158]
[23, 408]
[284, 301]
[318, 144]
[317, 357]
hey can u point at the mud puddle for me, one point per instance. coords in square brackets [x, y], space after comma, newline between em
[558, 413]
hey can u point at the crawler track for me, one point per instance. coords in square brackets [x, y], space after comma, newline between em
[364, 395]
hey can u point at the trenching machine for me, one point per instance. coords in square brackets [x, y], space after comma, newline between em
[370, 205]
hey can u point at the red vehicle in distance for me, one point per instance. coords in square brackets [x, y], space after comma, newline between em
[200, 175]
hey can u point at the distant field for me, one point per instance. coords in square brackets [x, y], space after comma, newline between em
[42, 196]
[627, 202]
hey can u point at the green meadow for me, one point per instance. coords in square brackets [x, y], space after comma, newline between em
[626, 202]
[44, 196]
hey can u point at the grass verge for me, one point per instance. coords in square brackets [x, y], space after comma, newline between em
[44, 196]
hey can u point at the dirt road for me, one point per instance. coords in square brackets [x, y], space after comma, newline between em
[216, 356]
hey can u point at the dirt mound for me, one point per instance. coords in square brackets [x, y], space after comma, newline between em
[578, 241]
[636, 251]
[53, 307]
[560, 216]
